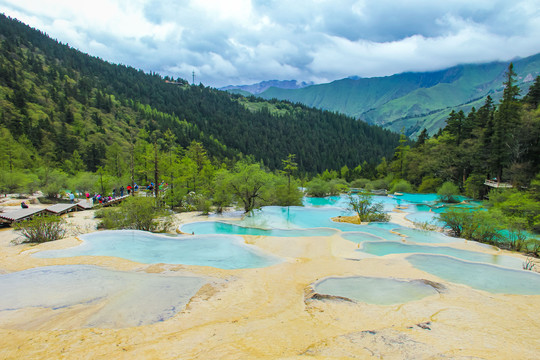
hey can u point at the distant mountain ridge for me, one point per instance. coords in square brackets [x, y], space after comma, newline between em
[412, 101]
[258, 88]
[57, 102]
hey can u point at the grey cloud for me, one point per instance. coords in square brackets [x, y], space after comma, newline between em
[308, 40]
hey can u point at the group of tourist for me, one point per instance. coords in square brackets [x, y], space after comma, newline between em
[161, 186]
[120, 192]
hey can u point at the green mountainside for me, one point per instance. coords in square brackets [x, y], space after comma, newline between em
[413, 100]
[57, 103]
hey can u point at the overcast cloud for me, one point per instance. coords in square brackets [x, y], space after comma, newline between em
[237, 42]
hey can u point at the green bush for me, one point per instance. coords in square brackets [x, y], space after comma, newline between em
[481, 226]
[448, 192]
[14, 181]
[282, 194]
[139, 213]
[338, 186]
[359, 183]
[368, 211]
[318, 187]
[378, 184]
[533, 247]
[429, 185]
[474, 185]
[41, 229]
[456, 220]
[402, 186]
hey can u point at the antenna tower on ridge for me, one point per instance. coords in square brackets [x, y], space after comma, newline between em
[193, 75]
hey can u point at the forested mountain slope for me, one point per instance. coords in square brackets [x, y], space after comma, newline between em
[413, 100]
[59, 102]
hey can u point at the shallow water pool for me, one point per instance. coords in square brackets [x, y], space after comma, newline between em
[220, 251]
[426, 237]
[390, 247]
[127, 298]
[219, 227]
[372, 290]
[431, 218]
[485, 277]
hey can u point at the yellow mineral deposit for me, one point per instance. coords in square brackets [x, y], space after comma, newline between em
[267, 313]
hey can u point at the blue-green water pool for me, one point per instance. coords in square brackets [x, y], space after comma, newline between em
[220, 251]
[426, 237]
[485, 277]
[220, 227]
[373, 290]
[389, 247]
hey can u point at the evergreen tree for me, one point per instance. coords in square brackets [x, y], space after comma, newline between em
[289, 166]
[455, 125]
[533, 96]
[505, 123]
[422, 138]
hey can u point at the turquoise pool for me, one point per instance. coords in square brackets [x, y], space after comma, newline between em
[219, 227]
[431, 218]
[220, 251]
[485, 277]
[389, 247]
[372, 290]
[426, 237]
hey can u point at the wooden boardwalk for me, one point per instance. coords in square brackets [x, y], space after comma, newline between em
[496, 184]
[60, 209]
[85, 205]
[115, 200]
[11, 217]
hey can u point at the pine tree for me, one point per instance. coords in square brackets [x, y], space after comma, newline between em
[422, 138]
[505, 123]
[533, 96]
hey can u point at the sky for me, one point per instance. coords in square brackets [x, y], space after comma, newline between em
[237, 42]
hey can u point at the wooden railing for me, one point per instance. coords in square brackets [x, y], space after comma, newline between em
[497, 184]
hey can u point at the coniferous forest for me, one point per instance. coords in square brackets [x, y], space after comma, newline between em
[64, 107]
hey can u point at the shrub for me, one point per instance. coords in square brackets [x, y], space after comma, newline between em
[139, 213]
[282, 194]
[318, 187]
[429, 185]
[402, 186]
[338, 186]
[479, 225]
[12, 182]
[42, 229]
[378, 184]
[362, 203]
[359, 183]
[474, 186]
[447, 192]
[485, 227]
[517, 237]
[456, 220]
[529, 264]
[533, 247]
